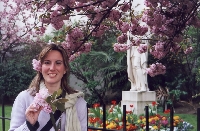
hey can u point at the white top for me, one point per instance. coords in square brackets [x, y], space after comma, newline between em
[22, 102]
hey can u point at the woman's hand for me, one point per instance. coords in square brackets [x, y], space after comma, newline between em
[32, 114]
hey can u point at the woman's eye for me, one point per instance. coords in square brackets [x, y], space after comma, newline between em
[46, 62]
[58, 62]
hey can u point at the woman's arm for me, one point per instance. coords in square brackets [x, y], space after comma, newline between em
[81, 107]
[18, 118]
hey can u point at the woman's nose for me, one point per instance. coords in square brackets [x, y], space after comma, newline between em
[52, 66]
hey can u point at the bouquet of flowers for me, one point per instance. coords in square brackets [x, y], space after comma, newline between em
[50, 103]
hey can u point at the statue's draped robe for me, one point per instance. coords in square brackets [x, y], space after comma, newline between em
[137, 63]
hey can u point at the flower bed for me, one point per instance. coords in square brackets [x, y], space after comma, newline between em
[114, 119]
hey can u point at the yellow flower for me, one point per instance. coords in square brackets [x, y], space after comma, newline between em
[144, 120]
[156, 118]
[176, 117]
[116, 119]
[127, 123]
[177, 121]
[107, 122]
[112, 125]
[150, 120]
[139, 121]
[155, 127]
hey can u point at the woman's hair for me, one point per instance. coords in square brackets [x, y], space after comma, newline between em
[35, 84]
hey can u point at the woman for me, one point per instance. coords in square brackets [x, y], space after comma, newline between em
[53, 73]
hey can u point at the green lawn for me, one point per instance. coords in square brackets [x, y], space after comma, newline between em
[7, 114]
[192, 119]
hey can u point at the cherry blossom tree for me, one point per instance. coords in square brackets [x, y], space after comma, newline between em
[17, 26]
[166, 20]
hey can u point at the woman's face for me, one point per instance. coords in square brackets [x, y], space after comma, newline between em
[53, 68]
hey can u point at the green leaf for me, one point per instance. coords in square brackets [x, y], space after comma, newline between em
[63, 100]
[60, 106]
[48, 99]
[54, 95]
[59, 92]
[53, 107]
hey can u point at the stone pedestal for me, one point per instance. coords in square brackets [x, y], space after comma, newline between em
[138, 99]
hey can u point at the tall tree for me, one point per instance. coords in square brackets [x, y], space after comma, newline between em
[16, 72]
[166, 19]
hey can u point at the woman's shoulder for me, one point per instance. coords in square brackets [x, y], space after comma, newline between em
[23, 99]
[24, 96]
[25, 93]
[81, 102]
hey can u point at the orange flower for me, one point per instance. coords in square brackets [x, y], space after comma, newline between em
[113, 102]
[154, 103]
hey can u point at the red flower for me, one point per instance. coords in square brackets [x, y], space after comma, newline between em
[111, 110]
[129, 112]
[113, 102]
[167, 111]
[154, 103]
[141, 117]
[96, 105]
[131, 105]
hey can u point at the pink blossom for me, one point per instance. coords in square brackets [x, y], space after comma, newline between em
[123, 26]
[188, 50]
[36, 65]
[121, 47]
[107, 3]
[44, 93]
[122, 38]
[142, 48]
[164, 122]
[74, 56]
[40, 100]
[101, 30]
[125, 6]
[156, 69]
[115, 15]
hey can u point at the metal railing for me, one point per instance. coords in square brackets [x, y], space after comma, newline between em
[104, 120]
[3, 118]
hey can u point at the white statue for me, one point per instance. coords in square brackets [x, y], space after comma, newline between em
[137, 63]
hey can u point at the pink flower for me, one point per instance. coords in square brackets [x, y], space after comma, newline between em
[121, 47]
[188, 50]
[164, 122]
[36, 65]
[156, 69]
[44, 93]
[122, 38]
[40, 100]
[125, 6]
[142, 48]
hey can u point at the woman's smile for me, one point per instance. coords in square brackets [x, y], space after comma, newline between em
[52, 74]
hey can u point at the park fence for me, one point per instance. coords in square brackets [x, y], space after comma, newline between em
[3, 118]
